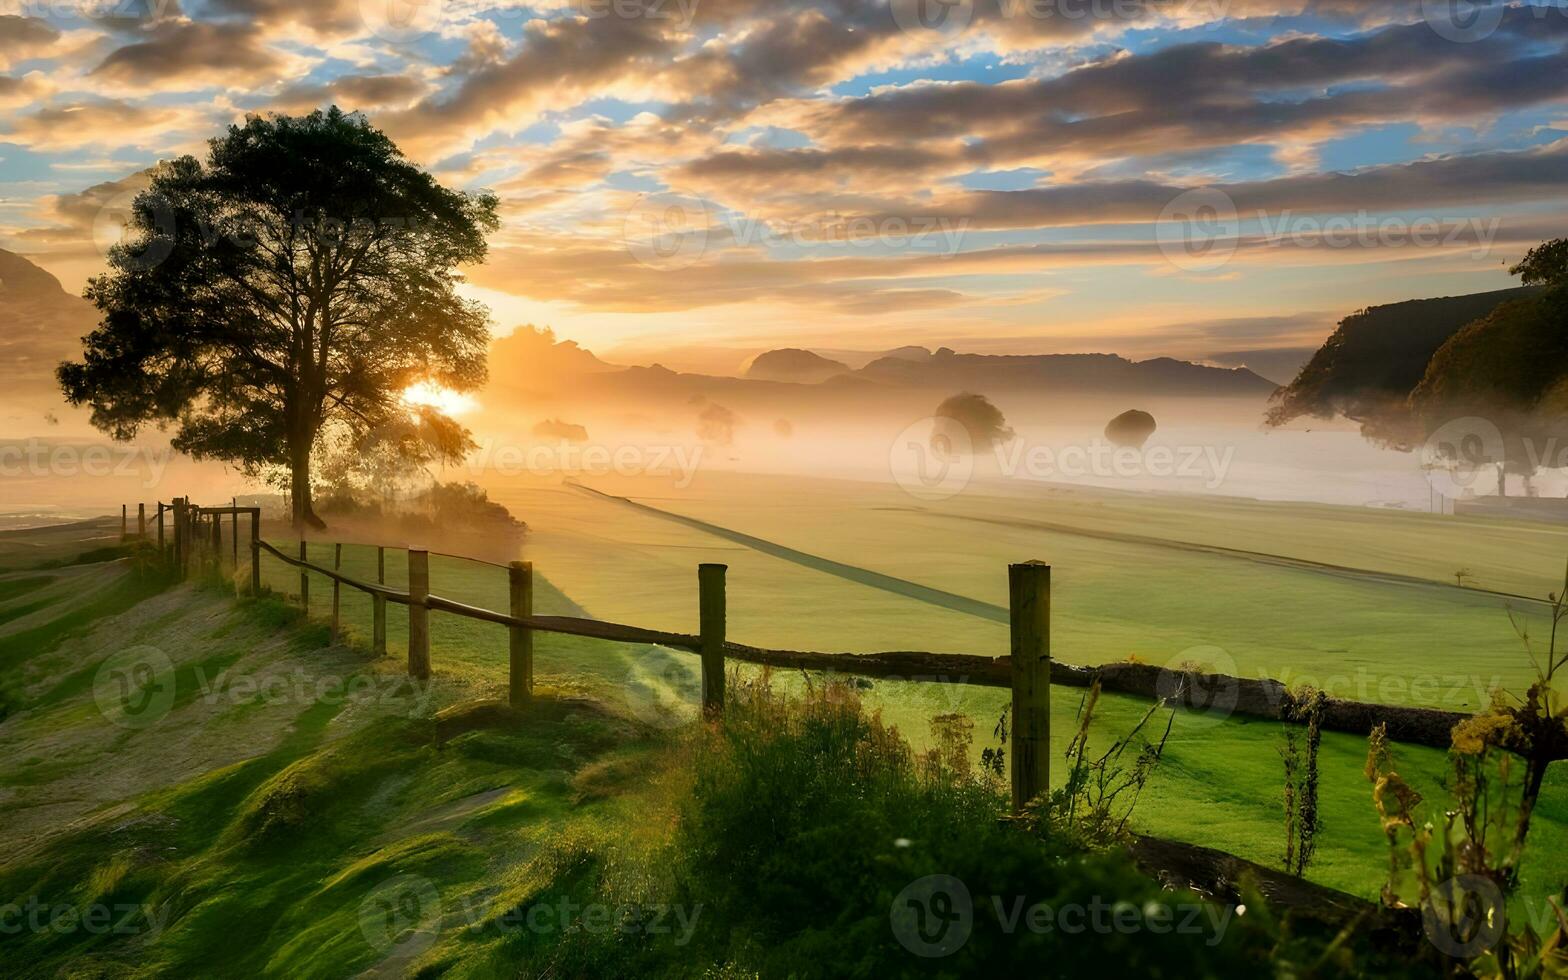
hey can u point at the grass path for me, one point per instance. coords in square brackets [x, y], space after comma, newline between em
[852, 573]
[1259, 557]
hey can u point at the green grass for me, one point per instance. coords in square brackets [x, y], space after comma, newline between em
[584, 778]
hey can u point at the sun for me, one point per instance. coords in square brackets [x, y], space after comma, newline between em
[428, 394]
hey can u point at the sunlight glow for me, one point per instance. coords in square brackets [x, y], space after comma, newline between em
[444, 400]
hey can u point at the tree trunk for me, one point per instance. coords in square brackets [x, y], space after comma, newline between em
[299, 486]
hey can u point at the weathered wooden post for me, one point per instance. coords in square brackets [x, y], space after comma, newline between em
[179, 533]
[217, 542]
[418, 613]
[337, 597]
[125, 530]
[161, 553]
[1029, 594]
[141, 522]
[521, 575]
[711, 600]
[304, 576]
[255, 552]
[234, 504]
[378, 607]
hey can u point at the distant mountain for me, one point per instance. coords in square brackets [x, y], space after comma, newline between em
[1278, 364]
[1076, 373]
[1380, 353]
[40, 325]
[531, 359]
[794, 365]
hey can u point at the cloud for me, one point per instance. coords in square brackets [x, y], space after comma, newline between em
[100, 122]
[22, 38]
[352, 92]
[557, 62]
[194, 54]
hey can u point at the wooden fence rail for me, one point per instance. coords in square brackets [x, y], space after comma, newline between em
[1028, 672]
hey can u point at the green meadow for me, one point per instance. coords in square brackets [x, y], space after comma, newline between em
[261, 754]
[1361, 636]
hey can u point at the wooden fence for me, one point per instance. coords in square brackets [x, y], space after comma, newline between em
[1028, 671]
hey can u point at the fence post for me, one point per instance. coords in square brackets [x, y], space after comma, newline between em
[234, 503]
[125, 530]
[255, 552]
[1029, 601]
[378, 606]
[161, 555]
[304, 577]
[418, 613]
[141, 521]
[521, 575]
[337, 597]
[710, 591]
[179, 534]
[217, 542]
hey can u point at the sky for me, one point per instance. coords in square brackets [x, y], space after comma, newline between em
[1196, 178]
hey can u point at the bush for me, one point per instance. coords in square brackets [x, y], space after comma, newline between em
[810, 840]
[810, 826]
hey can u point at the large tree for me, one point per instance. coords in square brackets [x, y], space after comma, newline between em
[1404, 372]
[302, 278]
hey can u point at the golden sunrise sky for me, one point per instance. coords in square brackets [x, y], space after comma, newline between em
[1184, 177]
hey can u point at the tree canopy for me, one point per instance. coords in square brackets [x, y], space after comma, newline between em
[1405, 371]
[301, 279]
[982, 421]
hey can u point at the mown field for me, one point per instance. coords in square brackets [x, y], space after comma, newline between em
[1361, 635]
[1219, 783]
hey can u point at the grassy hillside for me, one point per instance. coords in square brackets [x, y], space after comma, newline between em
[289, 806]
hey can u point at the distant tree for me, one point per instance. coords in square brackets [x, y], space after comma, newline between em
[1405, 371]
[716, 424]
[982, 421]
[1131, 429]
[1508, 367]
[558, 429]
[1545, 265]
[301, 279]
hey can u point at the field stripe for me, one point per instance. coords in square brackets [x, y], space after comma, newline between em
[1220, 551]
[860, 576]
